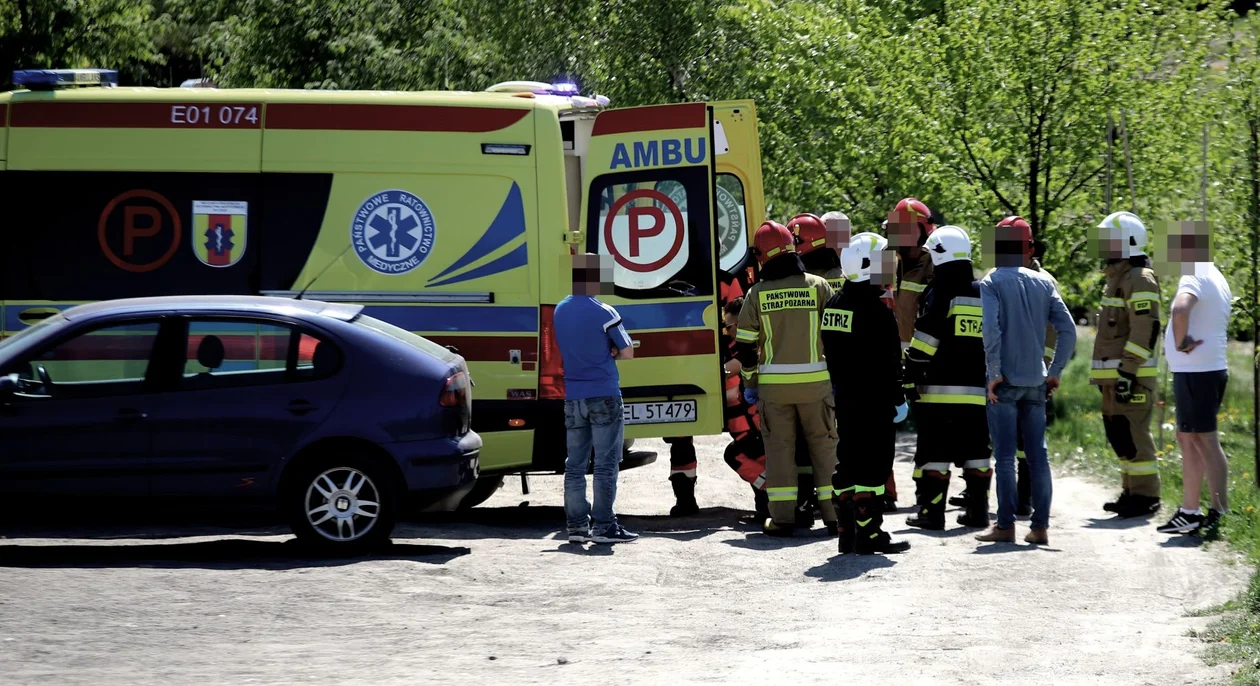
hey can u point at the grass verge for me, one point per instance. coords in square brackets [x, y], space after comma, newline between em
[1077, 440]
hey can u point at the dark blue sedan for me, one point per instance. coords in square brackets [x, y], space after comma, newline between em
[338, 419]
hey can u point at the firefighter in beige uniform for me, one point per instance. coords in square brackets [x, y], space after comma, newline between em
[1126, 361]
[779, 344]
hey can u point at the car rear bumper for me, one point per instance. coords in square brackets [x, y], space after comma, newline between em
[438, 471]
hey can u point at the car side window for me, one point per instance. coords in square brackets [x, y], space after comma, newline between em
[107, 360]
[230, 353]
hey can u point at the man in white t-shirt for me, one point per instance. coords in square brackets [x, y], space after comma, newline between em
[1194, 345]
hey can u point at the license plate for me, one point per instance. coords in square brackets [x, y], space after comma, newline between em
[660, 412]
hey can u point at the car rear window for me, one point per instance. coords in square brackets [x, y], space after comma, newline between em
[406, 337]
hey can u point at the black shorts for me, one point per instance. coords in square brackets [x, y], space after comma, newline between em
[1198, 396]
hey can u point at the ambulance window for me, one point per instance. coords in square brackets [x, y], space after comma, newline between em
[644, 220]
[732, 223]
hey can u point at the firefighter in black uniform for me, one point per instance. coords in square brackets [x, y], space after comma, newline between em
[863, 354]
[945, 363]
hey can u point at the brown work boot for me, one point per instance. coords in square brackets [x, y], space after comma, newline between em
[1038, 537]
[997, 534]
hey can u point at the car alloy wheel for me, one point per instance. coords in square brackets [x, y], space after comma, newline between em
[342, 504]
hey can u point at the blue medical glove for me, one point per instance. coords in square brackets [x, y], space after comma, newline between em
[750, 396]
[901, 412]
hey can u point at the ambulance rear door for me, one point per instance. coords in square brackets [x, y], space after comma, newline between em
[650, 188]
[741, 202]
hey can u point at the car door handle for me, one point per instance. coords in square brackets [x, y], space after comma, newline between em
[130, 415]
[300, 407]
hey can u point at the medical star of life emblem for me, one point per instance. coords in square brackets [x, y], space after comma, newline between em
[393, 232]
[219, 237]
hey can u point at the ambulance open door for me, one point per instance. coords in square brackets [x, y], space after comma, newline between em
[650, 192]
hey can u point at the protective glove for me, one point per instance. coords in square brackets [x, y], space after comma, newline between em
[750, 396]
[1124, 388]
[901, 412]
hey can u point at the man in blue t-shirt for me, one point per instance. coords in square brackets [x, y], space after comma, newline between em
[591, 339]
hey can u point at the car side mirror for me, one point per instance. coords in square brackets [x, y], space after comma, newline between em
[8, 385]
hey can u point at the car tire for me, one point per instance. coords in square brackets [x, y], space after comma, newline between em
[485, 487]
[341, 503]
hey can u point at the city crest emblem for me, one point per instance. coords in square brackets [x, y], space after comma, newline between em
[219, 231]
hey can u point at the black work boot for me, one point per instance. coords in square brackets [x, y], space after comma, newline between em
[806, 501]
[761, 504]
[773, 528]
[931, 497]
[846, 524]
[1120, 503]
[977, 504]
[685, 494]
[870, 537]
[1024, 488]
[1138, 506]
[959, 500]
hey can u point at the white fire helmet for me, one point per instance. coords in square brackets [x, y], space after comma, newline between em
[1127, 228]
[948, 244]
[863, 250]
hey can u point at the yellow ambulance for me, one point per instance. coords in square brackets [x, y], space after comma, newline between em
[450, 214]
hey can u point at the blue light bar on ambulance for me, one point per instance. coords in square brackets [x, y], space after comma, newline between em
[45, 79]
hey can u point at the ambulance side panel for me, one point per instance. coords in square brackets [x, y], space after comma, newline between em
[5, 200]
[436, 232]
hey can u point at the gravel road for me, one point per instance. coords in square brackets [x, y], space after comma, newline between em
[493, 596]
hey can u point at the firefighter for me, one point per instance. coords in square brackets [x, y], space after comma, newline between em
[864, 360]
[820, 259]
[1024, 487]
[785, 374]
[945, 364]
[746, 454]
[1126, 361]
[909, 227]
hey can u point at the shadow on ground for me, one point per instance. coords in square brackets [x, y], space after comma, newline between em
[227, 554]
[847, 567]
[533, 522]
[1118, 522]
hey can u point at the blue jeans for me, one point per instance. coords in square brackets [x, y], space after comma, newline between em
[1025, 406]
[592, 423]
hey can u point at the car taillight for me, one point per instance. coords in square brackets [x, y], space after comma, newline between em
[550, 368]
[457, 395]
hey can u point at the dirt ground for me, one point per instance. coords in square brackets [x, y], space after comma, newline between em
[493, 596]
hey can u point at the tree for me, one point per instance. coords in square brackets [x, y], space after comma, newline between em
[49, 34]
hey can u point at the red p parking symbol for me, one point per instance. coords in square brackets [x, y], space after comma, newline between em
[144, 235]
[643, 224]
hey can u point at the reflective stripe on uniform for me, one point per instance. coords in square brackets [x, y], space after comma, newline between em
[942, 467]
[746, 335]
[924, 342]
[1110, 369]
[824, 492]
[769, 331]
[1143, 295]
[760, 482]
[1138, 350]
[1140, 468]
[1048, 353]
[813, 339]
[783, 379]
[905, 345]
[913, 287]
[982, 465]
[878, 490]
[792, 368]
[839, 491]
[1112, 302]
[781, 494]
[953, 395]
[965, 306]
